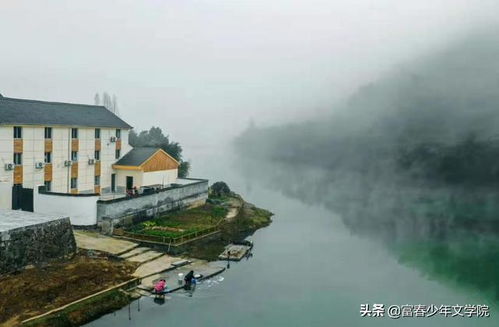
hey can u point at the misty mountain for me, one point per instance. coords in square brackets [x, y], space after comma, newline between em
[436, 118]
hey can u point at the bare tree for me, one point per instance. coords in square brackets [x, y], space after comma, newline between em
[107, 102]
[111, 103]
[115, 105]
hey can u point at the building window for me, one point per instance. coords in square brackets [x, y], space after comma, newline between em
[97, 133]
[97, 155]
[118, 133]
[74, 182]
[97, 180]
[18, 158]
[48, 157]
[48, 186]
[18, 132]
[48, 132]
[117, 154]
[74, 133]
[74, 155]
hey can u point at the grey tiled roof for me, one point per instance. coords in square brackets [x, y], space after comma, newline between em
[32, 112]
[136, 156]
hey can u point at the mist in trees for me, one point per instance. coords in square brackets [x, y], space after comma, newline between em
[154, 137]
[435, 119]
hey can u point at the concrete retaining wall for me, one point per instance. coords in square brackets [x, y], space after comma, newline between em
[133, 210]
[36, 244]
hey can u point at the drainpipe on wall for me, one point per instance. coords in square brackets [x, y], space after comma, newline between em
[68, 179]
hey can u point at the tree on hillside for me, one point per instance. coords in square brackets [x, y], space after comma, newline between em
[154, 137]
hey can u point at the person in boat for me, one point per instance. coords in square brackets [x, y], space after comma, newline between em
[160, 287]
[189, 280]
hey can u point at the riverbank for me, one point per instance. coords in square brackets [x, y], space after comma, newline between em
[71, 293]
[41, 289]
[202, 232]
[248, 219]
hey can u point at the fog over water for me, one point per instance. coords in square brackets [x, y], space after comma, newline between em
[409, 161]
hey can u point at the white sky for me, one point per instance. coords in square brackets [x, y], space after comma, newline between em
[203, 69]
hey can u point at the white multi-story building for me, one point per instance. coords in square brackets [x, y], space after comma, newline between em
[71, 149]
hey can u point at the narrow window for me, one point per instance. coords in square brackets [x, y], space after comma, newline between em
[48, 186]
[74, 133]
[48, 157]
[18, 158]
[97, 155]
[74, 155]
[48, 132]
[74, 182]
[97, 180]
[117, 154]
[118, 133]
[18, 132]
[97, 133]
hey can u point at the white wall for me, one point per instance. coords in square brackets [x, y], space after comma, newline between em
[108, 156]
[6, 156]
[140, 178]
[163, 177]
[34, 151]
[5, 194]
[61, 151]
[122, 174]
[82, 210]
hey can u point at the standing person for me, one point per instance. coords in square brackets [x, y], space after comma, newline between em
[188, 280]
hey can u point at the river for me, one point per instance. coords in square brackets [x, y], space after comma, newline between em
[310, 266]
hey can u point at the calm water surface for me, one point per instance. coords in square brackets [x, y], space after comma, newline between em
[308, 269]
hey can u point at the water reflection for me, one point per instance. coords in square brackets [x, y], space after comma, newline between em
[449, 234]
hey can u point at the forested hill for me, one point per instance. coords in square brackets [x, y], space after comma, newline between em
[435, 119]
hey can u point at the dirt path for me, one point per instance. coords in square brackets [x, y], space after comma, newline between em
[235, 207]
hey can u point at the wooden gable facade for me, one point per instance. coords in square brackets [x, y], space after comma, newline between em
[158, 161]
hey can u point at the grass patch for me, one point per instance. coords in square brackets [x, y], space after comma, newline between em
[182, 222]
[249, 219]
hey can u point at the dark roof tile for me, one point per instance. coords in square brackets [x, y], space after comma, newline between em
[32, 112]
[136, 156]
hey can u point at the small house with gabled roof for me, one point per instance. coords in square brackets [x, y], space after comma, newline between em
[146, 167]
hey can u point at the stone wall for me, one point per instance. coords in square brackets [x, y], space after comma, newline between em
[36, 244]
[133, 210]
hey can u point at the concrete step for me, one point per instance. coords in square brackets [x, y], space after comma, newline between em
[145, 256]
[94, 241]
[161, 264]
[134, 252]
